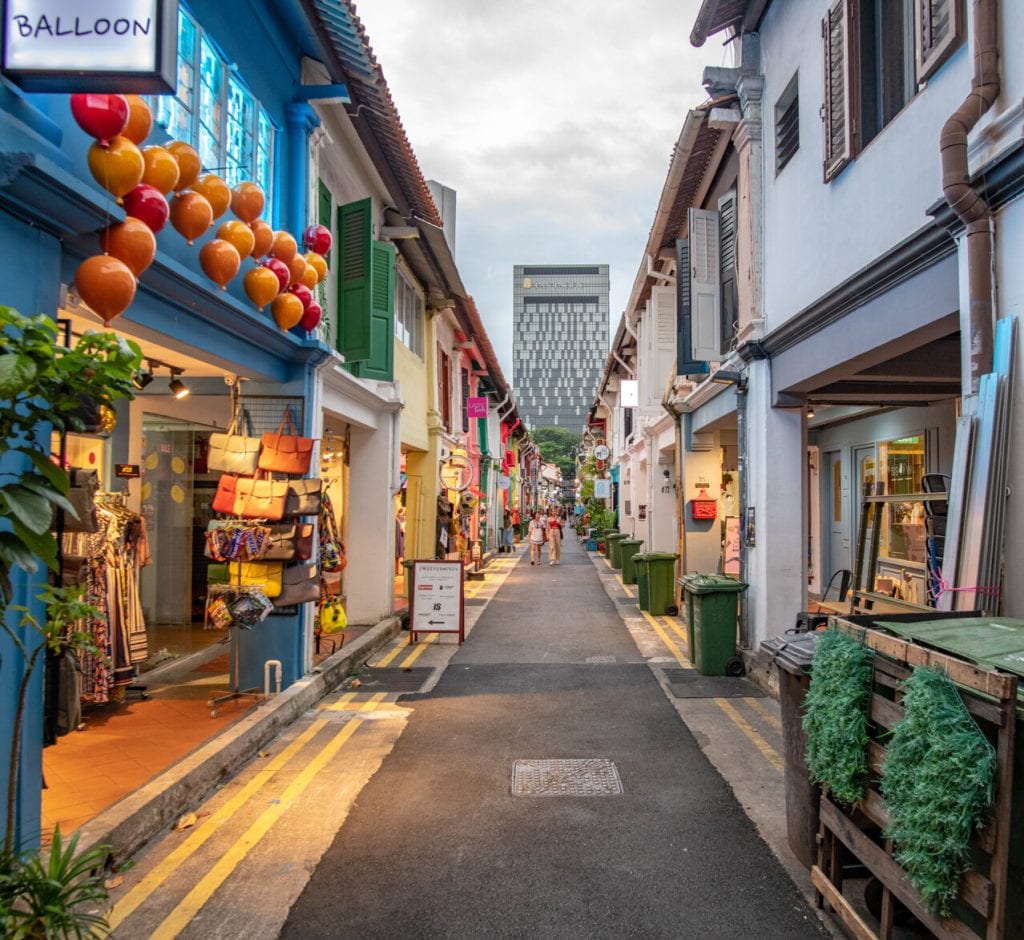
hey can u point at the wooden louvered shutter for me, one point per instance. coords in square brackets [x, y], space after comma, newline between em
[727, 257]
[705, 286]
[938, 31]
[381, 362]
[836, 106]
[685, 363]
[354, 269]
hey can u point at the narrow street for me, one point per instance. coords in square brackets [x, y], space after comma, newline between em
[380, 816]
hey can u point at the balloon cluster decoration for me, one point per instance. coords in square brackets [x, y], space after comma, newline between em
[157, 184]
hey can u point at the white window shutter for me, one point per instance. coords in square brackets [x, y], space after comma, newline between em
[835, 109]
[663, 311]
[705, 286]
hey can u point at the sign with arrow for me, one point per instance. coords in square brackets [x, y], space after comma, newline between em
[437, 602]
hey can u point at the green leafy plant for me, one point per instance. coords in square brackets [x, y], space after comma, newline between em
[836, 716]
[937, 782]
[50, 897]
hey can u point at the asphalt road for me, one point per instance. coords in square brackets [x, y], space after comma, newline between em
[437, 845]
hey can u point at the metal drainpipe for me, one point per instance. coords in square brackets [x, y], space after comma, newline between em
[965, 201]
[741, 442]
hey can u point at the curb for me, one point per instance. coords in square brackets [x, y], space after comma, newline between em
[131, 822]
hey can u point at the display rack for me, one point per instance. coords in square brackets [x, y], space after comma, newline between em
[234, 672]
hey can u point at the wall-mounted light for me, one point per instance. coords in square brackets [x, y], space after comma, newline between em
[143, 377]
[178, 388]
[810, 410]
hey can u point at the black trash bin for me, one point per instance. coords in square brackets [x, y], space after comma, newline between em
[792, 654]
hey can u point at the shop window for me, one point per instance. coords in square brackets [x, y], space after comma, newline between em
[876, 52]
[902, 467]
[214, 112]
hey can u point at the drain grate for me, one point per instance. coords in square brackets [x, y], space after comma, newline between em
[593, 776]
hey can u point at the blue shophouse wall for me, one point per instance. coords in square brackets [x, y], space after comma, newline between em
[41, 245]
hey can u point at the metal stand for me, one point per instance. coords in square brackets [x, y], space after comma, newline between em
[236, 693]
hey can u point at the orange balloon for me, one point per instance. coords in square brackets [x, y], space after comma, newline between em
[247, 201]
[189, 165]
[287, 310]
[284, 247]
[264, 235]
[297, 267]
[106, 285]
[238, 234]
[220, 260]
[217, 192]
[261, 285]
[130, 241]
[117, 167]
[318, 263]
[309, 277]
[140, 119]
[161, 169]
[191, 215]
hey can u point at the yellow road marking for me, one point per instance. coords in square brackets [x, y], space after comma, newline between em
[666, 639]
[420, 647]
[207, 828]
[629, 593]
[374, 701]
[767, 715]
[190, 905]
[679, 631]
[340, 705]
[392, 654]
[768, 752]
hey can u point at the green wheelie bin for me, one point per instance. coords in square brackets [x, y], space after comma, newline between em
[713, 623]
[627, 549]
[613, 542]
[660, 570]
[603, 540]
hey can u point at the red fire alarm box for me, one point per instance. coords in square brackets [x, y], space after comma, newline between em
[703, 508]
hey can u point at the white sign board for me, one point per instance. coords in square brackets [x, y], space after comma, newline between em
[437, 598]
[91, 45]
[602, 489]
[629, 393]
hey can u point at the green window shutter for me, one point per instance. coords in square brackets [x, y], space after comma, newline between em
[354, 280]
[381, 362]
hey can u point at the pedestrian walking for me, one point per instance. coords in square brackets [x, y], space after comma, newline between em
[554, 538]
[507, 538]
[537, 534]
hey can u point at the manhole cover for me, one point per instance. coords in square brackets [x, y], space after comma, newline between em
[597, 660]
[588, 777]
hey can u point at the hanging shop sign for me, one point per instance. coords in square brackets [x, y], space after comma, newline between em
[127, 471]
[438, 599]
[602, 489]
[91, 45]
[476, 407]
[629, 393]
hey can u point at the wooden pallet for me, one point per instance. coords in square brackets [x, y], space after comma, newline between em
[991, 698]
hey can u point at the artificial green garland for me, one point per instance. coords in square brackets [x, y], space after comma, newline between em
[938, 783]
[836, 716]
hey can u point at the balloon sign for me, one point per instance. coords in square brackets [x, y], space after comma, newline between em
[264, 235]
[189, 166]
[191, 215]
[106, 285]
[161, 169]
[247, 201]
[240, 235]
[148, 204]
[261, 286]
[284, 247]
[287, 310]
[216, 191]
[140, 119]
[311, 318]
[280, 270]
[101, 116]
[304, 294]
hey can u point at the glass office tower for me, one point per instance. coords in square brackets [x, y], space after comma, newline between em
[560, 341]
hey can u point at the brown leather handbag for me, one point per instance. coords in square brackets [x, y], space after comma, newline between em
[257, 498]
[224, 499]
[286, 453]
[290, 541]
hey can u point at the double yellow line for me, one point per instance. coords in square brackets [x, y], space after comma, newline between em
[186, 910]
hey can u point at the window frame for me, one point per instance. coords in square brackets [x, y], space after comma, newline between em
[182, 117]
[787, 124]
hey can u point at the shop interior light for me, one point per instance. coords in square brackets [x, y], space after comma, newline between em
[143, 377]
[178, 388]
[810, 411]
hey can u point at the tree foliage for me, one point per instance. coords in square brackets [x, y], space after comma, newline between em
[558, 446]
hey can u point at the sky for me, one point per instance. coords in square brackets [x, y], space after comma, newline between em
[554, 122]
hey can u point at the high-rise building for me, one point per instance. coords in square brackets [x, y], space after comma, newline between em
[560, 341]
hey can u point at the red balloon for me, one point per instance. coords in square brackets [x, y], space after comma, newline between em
[102, 116]
[311, 318]
[280, 270]
[148, 204]
[318, 239]
[303, 293]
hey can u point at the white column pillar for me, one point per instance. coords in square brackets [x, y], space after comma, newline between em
[776, 563]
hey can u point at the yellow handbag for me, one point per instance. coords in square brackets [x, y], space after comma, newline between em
[261, 574]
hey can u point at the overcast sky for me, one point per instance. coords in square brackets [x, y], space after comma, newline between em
[554, 121]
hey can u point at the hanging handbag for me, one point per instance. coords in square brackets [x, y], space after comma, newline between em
[82, 496]
[303, 498]
[333, 618]
[330, 583]
[256, 498]
[224, 498]
[290, 541]
[286, 453]
[331, 555]
[299, 585]
[263, 574]
[231, 452]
